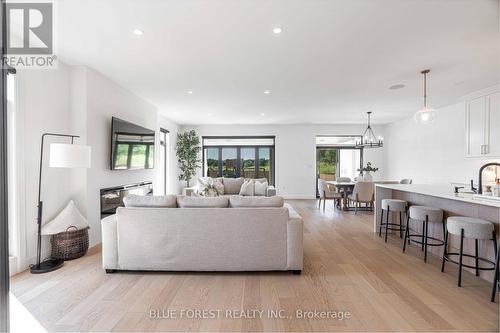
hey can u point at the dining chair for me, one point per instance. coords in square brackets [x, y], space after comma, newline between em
[363, 192]
[326, 193]
[344, 180]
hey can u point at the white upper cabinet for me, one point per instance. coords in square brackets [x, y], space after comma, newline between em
[482, 125]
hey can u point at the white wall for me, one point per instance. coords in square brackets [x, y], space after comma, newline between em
[74, 100]
[43, 105]
[432, 153]
[104, 100]
[295, 154]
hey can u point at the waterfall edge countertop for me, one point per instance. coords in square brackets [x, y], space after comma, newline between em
[444, 191]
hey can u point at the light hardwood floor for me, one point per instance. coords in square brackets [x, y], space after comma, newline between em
[346, 268]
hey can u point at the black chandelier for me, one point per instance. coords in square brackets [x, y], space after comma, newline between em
[369, 140]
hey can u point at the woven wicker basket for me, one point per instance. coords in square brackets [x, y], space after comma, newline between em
[70, 244]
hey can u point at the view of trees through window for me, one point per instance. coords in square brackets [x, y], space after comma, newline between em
[247, 162]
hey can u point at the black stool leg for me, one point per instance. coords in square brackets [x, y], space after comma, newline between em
[445, 251]
[426, 235]
[497, 268]
[461, 257]
[387, 222]
[477, 256]
[400, 225]
[407, 232]
[423, 236]
[381, 222]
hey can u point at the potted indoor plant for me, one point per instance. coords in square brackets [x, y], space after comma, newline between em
[187, 151]
[366, 172]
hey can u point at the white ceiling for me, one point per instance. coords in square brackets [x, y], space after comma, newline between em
[334, 61]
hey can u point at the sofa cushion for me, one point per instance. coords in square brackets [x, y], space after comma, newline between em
[261, 188]
[202, 202]
[247, 188]
[162, 201]
[232, 185]
[236, 201]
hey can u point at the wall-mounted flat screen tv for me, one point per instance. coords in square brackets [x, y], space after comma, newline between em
[132, 146]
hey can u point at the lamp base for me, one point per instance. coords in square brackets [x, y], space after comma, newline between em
[47, 266]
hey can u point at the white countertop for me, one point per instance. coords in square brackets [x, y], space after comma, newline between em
[445, 191]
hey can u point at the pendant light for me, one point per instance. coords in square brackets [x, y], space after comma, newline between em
[427, 114]
[369, 140]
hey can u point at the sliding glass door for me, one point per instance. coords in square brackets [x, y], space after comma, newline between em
[337, 156]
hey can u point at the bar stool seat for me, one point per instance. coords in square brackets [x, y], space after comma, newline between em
[435, 215]
[473, 228]
[392, 205]
[395, 205]
[426, 215]
[468, 227]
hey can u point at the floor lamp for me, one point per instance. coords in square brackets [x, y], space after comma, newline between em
[62, 155]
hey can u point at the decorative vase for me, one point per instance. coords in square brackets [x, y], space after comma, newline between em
[367, 176]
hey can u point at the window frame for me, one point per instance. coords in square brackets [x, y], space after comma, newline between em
[238, 148]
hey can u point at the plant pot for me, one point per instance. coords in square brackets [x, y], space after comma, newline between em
[367, 176]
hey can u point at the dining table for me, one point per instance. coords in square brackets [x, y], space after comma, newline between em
[347, 187]
[344, 187]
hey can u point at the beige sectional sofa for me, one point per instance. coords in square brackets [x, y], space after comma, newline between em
[204, 234]
[231, 186]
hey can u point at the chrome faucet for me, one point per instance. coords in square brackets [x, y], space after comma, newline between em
[480, 186]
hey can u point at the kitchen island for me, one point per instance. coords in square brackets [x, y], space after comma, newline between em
[443, 196]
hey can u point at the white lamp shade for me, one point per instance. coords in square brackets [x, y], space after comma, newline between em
[425, 115]
[63, 155]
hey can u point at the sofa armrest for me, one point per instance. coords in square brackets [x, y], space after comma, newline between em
[295, 235]
[109, 243]
[271, 191]
[188, 191]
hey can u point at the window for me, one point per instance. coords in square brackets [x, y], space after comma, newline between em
[164, 141]
[248, 157]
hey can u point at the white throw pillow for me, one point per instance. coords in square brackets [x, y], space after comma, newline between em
[261, 188]
[69, 216]
[247, 188]
[157, 201]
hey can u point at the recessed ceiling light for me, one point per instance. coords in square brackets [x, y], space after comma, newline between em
[189, 92]
[262, 114]
[397, 86]
[138, 32]
[267, 92]
[277, 30]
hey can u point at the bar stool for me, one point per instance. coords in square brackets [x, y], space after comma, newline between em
[468, 227]
[389, 206]
[496, 279]
[426, 215]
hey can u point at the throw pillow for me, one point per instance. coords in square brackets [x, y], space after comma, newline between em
[232, 185]
[69, 216]
[156, 201]
[247, 188]
[261, 188]
[207, 185]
